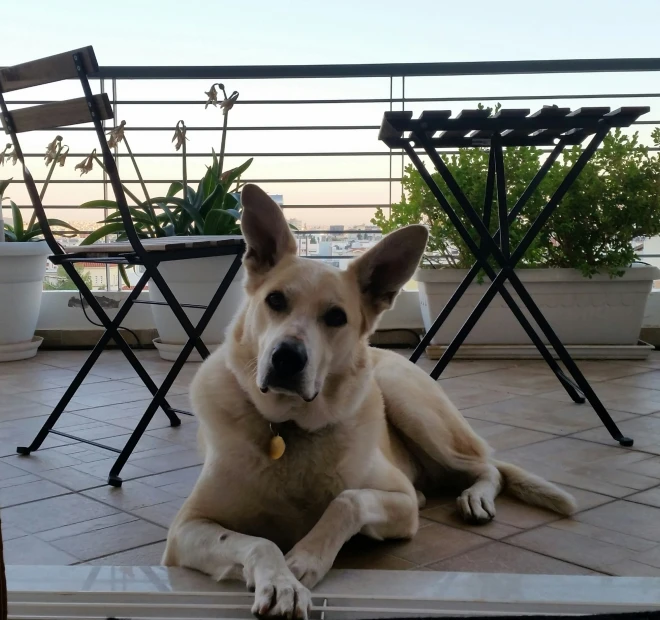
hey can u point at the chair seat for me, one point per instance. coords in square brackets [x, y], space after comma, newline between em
[161, 244]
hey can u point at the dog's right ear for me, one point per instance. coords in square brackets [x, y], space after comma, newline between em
[267, 234]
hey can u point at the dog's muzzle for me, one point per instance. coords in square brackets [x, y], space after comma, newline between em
[287, 365]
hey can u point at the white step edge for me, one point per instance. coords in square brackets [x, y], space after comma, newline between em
[100, 592]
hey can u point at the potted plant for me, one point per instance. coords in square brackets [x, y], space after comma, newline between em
[581, 270]
[213, 208]
[23, 256]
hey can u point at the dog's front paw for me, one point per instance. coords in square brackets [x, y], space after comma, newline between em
[281, 595]
[308, 567]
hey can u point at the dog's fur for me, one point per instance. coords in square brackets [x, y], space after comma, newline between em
[366, 431]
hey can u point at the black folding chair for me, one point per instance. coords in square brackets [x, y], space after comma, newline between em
[149, 253]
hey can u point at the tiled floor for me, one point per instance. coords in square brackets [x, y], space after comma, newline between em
[57, 509]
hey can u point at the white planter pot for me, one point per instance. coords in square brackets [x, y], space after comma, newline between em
[582, 311]
[22, 271]
[195, 282]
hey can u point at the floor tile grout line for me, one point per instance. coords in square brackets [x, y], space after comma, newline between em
[465, 413]
[554, 435]
[106, 555]
[545, 555]
[487, 541]
[623, 448]
[491, 541]
[100, 529]
[579, 512]
[117, 511]
[105, 503]
[505, 539]
[41, 499]
[148, 519]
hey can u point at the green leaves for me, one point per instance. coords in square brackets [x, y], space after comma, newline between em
[99, 233]
[18, 221]
[174, 189]
[212, 209]
[3, 187]
[18, 231]
[615, 199]
[235, 174]
[218, 222]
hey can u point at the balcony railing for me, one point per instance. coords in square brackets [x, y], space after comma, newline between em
[311, 129]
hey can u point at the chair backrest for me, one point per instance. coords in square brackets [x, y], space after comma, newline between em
[46, 71]
[78, 64]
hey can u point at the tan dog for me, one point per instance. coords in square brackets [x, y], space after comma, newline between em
[366, 431]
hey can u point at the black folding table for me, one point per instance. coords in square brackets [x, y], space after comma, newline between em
[549, 126]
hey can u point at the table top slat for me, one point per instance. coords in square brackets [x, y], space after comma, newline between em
[516, 126]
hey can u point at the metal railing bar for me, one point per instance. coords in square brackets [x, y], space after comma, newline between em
[268, 128]
[427, 69]
[347, 231]
[163, 181]
[385, 70]
[365, 100]
[214, 128]
[207, 155]
[310, 232]
[276, 154]
[286, 206]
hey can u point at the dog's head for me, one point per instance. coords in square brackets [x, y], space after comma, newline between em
[304, 320]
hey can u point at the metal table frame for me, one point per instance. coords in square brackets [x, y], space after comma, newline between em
[550, 126]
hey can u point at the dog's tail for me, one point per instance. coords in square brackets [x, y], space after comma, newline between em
[534, 490]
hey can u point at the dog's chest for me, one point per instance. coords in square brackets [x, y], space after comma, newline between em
[309, 471]
[284, 498]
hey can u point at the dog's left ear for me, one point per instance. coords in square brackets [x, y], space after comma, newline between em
[385, 268]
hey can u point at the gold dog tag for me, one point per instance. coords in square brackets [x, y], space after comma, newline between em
[277, 447]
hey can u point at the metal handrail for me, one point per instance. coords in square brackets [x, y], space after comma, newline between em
[417, 69]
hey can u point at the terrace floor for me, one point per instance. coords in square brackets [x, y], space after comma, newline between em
[57, 509]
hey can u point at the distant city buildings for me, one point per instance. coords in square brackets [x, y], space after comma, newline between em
[334, 244]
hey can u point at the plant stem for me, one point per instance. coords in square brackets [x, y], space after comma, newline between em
[130, 194]
[148, 207]
[221, 159]
[137, 169]
[184, 162]
[42, 193]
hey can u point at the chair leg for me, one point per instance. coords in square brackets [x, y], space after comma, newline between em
[84, 371]
[117, 337]
[114, 478]
[178, 311]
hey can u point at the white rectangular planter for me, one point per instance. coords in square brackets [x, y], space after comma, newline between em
[582, 311]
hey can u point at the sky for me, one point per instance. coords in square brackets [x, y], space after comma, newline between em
[195, 32]
[299, 32]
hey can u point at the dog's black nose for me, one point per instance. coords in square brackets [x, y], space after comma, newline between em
[289, 358]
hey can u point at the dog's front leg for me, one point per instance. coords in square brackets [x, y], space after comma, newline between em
[378, 514]
[221, 553]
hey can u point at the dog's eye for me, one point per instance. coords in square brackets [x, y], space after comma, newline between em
[335, 317]
[276, 301]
